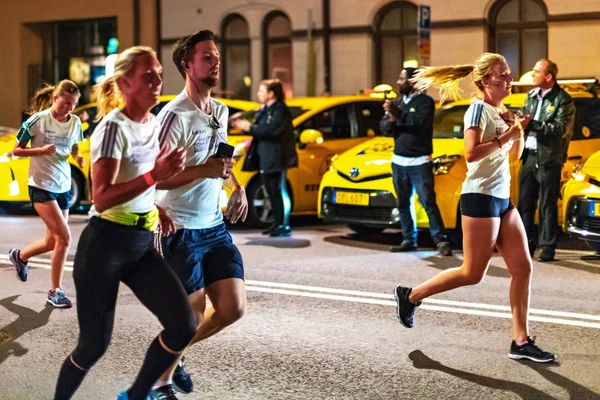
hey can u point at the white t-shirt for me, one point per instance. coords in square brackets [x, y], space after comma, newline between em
[183, 124]
[489, 175]
[136, 145]
[53, 172]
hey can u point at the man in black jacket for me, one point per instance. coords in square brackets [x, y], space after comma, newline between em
[409, 120]
[548, 132]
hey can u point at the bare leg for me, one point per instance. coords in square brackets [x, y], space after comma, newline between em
[228, 298]
[38, 247]
[56, 221]
[512, 244]
[479, 239]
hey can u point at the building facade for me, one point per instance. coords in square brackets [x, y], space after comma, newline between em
[314, 46]
[45, 41]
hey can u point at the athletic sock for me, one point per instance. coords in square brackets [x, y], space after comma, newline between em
[157, 361]
[69, 379]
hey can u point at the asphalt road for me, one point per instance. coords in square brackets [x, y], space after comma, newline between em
[321, 325]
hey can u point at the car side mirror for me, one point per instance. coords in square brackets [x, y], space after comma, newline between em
[311, 136]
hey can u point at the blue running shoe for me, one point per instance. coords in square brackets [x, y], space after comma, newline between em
[123, 396]
[20, 266]
[58, 299]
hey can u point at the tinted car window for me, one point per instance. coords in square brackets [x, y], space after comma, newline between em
[334, 123]
[448, 122]
[587, 119]
[369, 115]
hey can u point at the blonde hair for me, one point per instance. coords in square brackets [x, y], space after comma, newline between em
[107, 93]
[448, 78]
[42, 99]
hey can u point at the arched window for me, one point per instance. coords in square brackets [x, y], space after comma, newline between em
[277, 50]
[519, 31]
[235, 57]
[395, 39]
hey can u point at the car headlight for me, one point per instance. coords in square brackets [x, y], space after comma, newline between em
[577, 174]
[443, 163]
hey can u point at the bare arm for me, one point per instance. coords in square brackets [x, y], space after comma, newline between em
[21, 150]
[108, 194]
[214, 167]
[475, 149]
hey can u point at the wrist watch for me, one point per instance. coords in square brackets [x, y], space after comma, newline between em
[238, 187]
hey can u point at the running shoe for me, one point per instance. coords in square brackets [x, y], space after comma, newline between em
[405, 310]
[182, 379]
[58, 298]
[165, 392]
[20, 265]
[530, 351]
[123, 396]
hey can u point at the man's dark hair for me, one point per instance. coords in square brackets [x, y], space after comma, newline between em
[184, 48]
[551, 68]
[410, 72]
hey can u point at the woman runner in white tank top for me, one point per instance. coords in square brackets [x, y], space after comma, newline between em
[489, 220]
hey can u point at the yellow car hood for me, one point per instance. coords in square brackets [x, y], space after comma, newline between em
[373, 157]
[592, 166]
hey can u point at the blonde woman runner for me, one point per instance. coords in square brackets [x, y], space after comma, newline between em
[53, 134]
[488, 217]
[117, 245]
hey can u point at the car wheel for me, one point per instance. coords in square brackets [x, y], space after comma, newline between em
[365, 230]
[260, 213]
[77, 190]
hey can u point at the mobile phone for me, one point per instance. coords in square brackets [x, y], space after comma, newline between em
[224, 150]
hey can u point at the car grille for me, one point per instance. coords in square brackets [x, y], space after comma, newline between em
[590, 224]
[578, 215]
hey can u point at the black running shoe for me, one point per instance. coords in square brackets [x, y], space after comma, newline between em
[20, 266]
[182, 379]
[530, 351]
[405, 310]
[165, 392]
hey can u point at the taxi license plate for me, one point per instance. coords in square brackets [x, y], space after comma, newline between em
[356, 199]
[595, 209]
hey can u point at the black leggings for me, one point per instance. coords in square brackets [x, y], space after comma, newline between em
[107, 254]
[276, 187]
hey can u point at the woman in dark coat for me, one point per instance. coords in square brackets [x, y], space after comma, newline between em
[273, 151]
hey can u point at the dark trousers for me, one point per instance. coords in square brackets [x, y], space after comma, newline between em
[417, 178]
[276, 187]
[539, 183]
[108, 254]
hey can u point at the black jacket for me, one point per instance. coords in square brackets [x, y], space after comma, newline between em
[273, 146]
[554, 126]
[413, 129]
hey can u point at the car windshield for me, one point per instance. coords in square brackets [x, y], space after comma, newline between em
[250, 115]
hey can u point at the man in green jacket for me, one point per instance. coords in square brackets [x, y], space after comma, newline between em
[548, 129]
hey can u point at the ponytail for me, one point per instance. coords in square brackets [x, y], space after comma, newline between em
[42, 99]
[107, 97]
[447, 79]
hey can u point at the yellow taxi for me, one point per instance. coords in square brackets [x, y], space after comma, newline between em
[324, 126]
[358, 189]
[14, 170]
[581, 201]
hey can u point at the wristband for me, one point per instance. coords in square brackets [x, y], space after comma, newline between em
[499, 142]
[149, 179]
[238, 187]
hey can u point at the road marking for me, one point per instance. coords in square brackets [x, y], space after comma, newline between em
[326, 296]
[460, 307]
